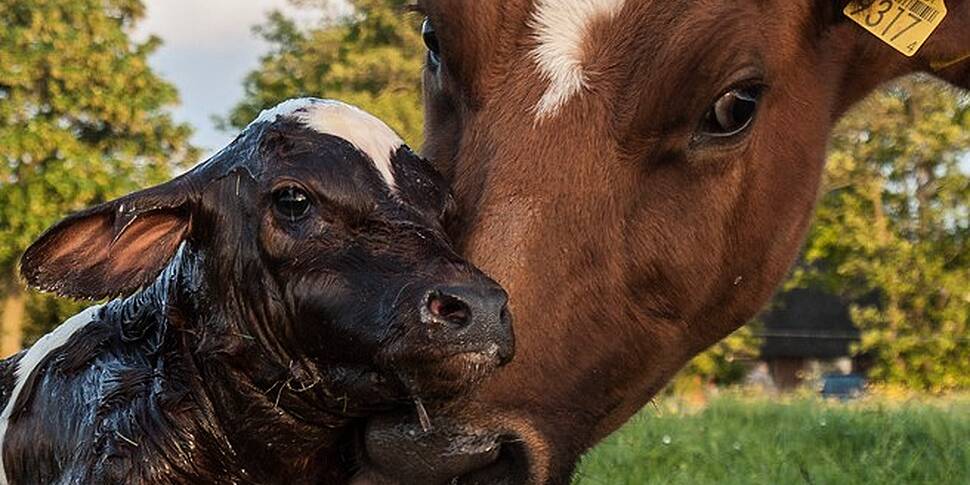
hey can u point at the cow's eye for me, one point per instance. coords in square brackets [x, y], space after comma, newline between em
[732, 113]
[291, 202]
[431, 42]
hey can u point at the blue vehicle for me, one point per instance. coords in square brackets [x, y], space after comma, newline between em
[843, 386]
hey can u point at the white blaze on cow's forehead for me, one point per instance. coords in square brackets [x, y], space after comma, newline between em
[361, 129]
[560, 28]
[33, 358]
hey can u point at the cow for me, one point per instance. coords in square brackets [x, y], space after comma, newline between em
[263, 301]
[639, 175]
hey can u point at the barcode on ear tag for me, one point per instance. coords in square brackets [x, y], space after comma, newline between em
[903, 24]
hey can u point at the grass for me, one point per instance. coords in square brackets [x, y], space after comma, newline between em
[737, 439]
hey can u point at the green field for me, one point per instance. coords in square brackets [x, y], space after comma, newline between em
[760, 440]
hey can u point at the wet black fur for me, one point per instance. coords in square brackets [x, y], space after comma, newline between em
[261, 342]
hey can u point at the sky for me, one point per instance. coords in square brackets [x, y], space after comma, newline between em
[208, 49]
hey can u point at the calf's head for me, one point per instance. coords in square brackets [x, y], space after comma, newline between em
[315, 238]
[639, 175]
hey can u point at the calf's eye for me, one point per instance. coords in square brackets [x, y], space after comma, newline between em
[291, 202]
[732, 113]
[431, 42]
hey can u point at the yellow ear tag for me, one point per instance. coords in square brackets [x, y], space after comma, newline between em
[903, 24]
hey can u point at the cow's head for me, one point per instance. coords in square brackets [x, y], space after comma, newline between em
[639, 174]
[313, 243]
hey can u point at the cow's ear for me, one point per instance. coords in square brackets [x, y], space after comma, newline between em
[868, 60]
[112, 249]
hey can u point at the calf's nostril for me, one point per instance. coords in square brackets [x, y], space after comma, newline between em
[449, 308]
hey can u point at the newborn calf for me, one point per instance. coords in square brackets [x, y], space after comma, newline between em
[296, 280]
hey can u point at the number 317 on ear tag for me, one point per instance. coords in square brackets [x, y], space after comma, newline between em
[903, 24]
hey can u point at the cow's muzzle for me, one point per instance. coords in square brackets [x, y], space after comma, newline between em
[397, 450]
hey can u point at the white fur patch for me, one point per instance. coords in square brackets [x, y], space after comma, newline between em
[29, 362]
[361, 129]
[285, 109]
[560, 28]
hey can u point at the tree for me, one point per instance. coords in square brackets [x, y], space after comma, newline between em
[371, 58]
[892, 228]
[82, 120]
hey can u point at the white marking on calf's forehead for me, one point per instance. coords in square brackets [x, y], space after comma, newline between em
[359, 128]
[33, 358]
[560, 28]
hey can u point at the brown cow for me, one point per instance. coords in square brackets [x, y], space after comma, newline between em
[639, 174]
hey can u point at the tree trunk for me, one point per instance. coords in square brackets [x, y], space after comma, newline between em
[12, 323]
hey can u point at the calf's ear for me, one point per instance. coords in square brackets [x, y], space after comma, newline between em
[112, 249]
[423, 185]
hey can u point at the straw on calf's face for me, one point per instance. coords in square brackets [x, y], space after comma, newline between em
[639, 175]
[305, 280]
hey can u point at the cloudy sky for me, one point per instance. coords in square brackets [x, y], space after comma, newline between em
[209, 47]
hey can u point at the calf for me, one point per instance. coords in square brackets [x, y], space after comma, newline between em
[294, 281]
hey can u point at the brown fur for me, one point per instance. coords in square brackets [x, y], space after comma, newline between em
[627, 248]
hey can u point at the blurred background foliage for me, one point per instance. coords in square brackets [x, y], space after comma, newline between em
[372, 58]
[894, 222]
[83, 119]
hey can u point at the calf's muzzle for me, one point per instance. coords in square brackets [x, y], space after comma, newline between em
[471, 318]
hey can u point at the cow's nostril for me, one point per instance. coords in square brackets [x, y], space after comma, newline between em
[449, 308]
